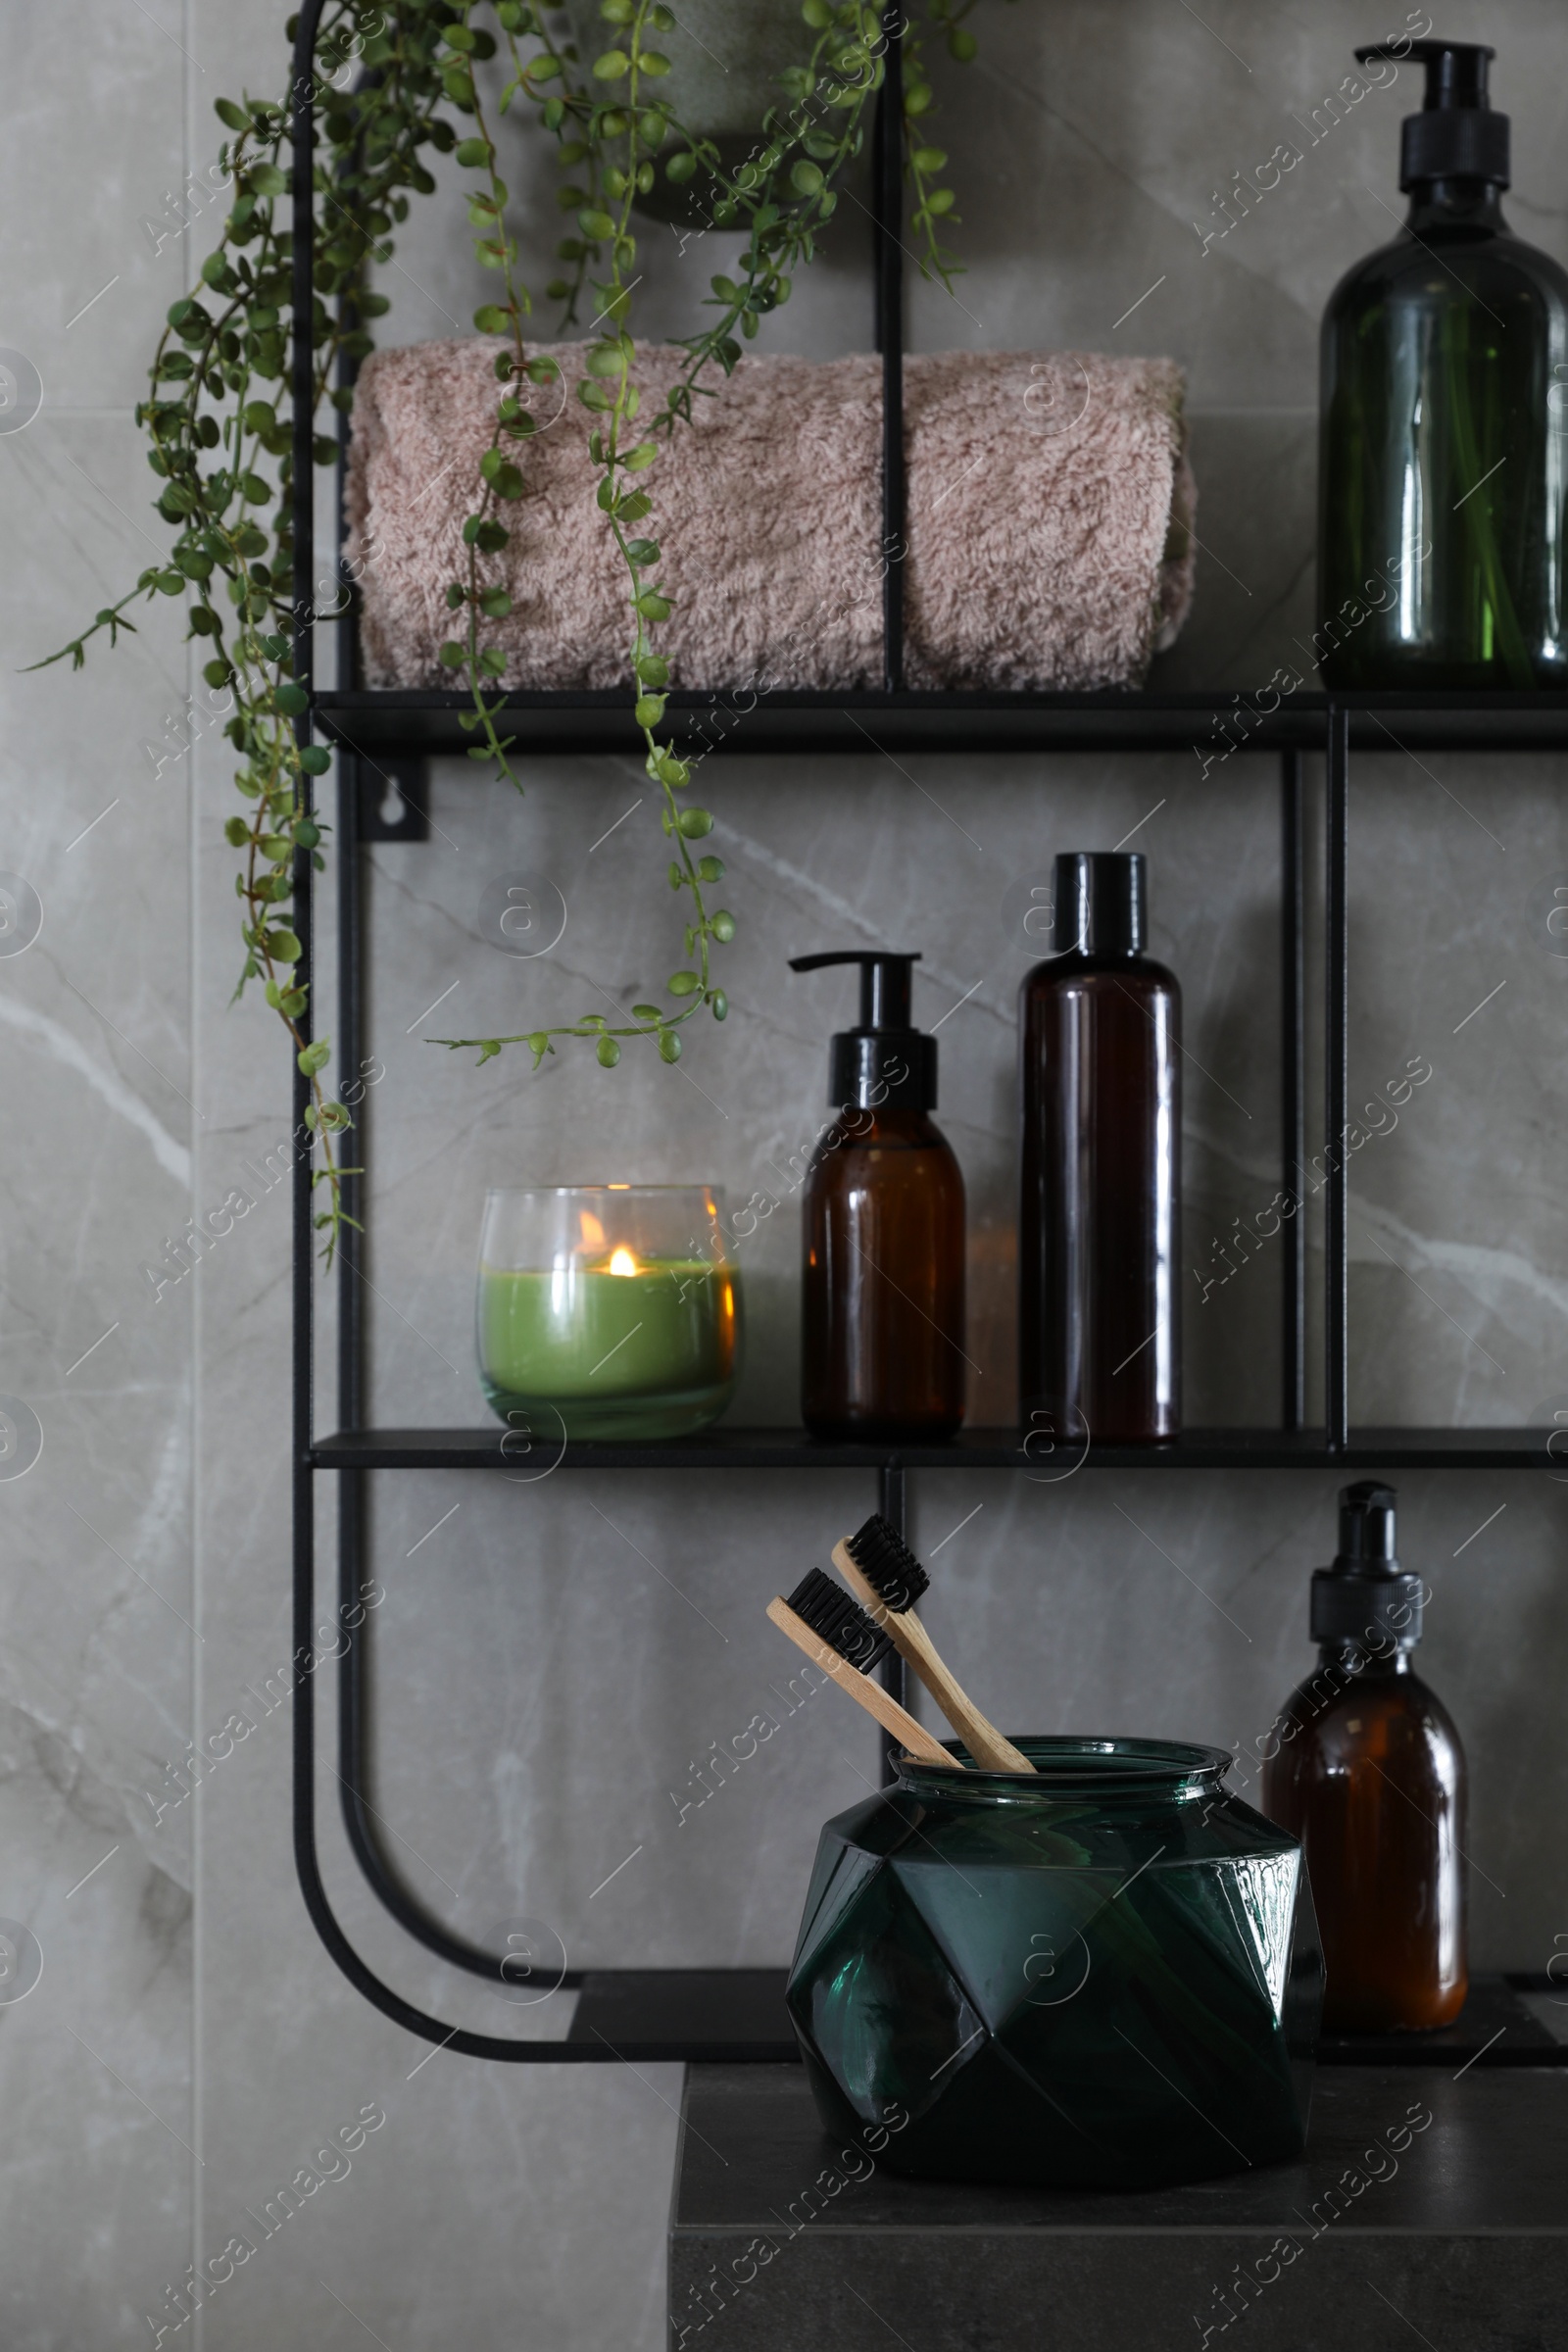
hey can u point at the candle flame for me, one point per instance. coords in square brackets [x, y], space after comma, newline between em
[621, 1261]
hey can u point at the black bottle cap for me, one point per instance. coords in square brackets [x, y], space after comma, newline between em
[1456, 135]
[885, 1064]
[1102, 902]
[1366, 1597]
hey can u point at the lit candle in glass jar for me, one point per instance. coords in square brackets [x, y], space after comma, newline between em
[613, 1307]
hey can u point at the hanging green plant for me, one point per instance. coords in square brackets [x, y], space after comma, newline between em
[387, 82]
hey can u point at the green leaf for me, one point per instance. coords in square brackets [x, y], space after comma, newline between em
[236, 832]
[681, 166]
[609, 1053]
[639, 460]
[473, 154]
[649, 711]
[284, 947]
[962, 44]
[695, 823]
[806, 178]
[710, 869]
[267, 180]
[720, 1003]
[611, 66]
[647, 1012]
[669, 1047]
[315, 1057]
[722, 926]
[291, 700]
[491, 319]
[230, 114]
[315, 759]
[654, 61]
[651, 672]
[683, 984]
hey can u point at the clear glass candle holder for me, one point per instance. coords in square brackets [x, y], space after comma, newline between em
[610, 1309]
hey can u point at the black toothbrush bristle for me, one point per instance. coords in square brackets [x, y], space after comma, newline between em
[837, 1618]
[886, 1561]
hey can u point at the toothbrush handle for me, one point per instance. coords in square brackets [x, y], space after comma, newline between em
[861, 1687]
[915, 1647]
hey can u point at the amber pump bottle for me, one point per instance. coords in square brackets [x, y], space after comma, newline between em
[883, 1296]
[1369, 1774]
[1098, 1033]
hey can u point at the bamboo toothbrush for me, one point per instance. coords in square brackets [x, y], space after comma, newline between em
[839, 1639]
[884, 1574]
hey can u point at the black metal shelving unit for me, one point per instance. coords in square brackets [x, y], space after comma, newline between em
[381, 740]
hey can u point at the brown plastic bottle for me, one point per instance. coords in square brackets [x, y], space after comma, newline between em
[1369, 1774]
[883, 1284]
[1099, 1223]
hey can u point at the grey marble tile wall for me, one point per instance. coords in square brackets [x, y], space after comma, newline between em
[553, 1659]
[96, 1585]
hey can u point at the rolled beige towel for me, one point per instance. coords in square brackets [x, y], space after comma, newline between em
[1049, 511]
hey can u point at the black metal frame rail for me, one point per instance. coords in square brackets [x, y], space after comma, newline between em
[380, 738]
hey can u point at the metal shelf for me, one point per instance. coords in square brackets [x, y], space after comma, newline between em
[641, 2014]
[739, 1448]
[736, 2016]
[419, 724]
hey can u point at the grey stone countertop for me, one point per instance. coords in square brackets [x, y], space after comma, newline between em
[1429, 2208]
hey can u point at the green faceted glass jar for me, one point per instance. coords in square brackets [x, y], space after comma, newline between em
[1107, 1976]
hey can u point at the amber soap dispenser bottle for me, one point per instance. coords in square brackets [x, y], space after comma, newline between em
[1098, 1038]
[883, 1291]
[1369, 1774]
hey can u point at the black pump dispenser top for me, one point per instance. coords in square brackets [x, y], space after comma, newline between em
[1456, 135]
[1366, 1597]
[1101, 898]
[886, 1063]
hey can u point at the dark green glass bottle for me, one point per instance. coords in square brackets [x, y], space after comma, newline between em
[1443, 537]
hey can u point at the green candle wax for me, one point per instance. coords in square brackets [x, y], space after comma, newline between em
[646, 1353]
